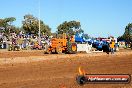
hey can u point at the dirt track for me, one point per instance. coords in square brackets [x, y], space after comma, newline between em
[61, 72]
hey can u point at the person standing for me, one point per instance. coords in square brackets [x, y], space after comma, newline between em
[112, 46]
[20, 40]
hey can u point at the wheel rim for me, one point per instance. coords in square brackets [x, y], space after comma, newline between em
[74, 48]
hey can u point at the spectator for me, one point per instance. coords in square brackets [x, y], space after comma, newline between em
[20, 40]
[112, 46]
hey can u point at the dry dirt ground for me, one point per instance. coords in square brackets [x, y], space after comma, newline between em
[59, 71]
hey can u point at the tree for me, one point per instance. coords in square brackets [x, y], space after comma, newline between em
[31, 25]
[6, 25]
[9, 20]
[15, 29]
[127, 34]
[86, 36]
[120, 38]
[6, 21]
[69, 27]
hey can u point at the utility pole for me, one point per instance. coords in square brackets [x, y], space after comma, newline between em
[39, 24]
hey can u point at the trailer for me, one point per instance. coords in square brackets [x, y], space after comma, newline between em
[83, 45]
[84, 48]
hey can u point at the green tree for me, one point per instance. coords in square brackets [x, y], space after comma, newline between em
[120, 38]
[128, 33]
[6, 25]
[86, 36]
[9, 20]
[31, 25]
[14, 29]
[70, 27]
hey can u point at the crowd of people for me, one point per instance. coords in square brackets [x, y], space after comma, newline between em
[22, 40]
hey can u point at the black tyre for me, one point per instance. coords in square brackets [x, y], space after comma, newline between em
[71, 48]
[105, 48]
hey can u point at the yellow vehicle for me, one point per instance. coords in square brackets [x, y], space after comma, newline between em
[62, 45]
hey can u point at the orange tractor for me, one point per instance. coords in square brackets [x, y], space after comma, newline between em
[62, 45]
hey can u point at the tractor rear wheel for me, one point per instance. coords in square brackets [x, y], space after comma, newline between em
[71, 48]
